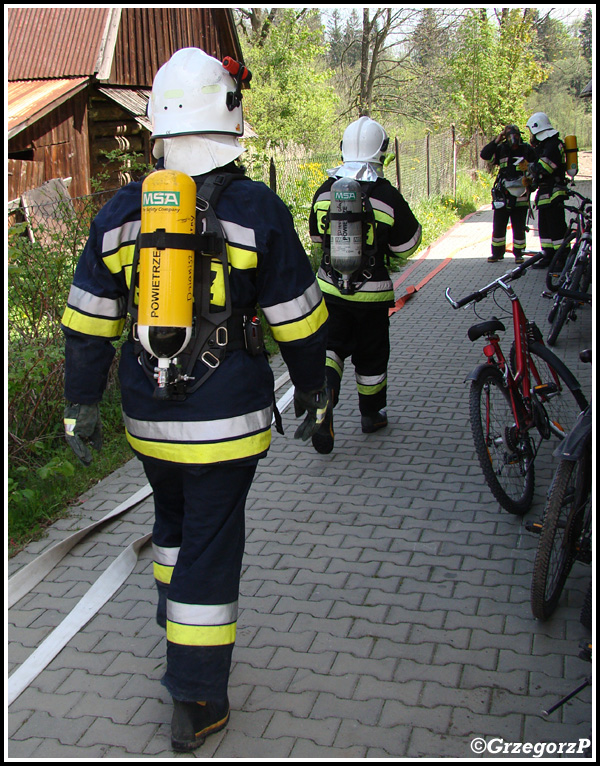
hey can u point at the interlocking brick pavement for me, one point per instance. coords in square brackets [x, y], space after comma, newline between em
[384, 607]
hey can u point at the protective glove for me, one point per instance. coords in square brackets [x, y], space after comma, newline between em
[83, 426]
[314, 403]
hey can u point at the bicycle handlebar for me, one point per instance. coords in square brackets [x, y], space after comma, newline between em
[510, 276]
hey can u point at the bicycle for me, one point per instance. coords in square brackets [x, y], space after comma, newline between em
[570, 290]
[510, 401]
[566, 527]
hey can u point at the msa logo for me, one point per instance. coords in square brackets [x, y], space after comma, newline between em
[163, 198]
[344, 195]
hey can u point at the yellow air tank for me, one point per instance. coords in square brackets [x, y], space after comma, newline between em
[572, 161]
[166, 274]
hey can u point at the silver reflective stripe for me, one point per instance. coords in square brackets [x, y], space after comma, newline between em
[165, 556]
[410, 245]
[92, 304]
[377, 204]
[200, 431]
[114, 238]
[371, 380]
[239, 235]
[296, 308]
[201, 614]
[334, 357]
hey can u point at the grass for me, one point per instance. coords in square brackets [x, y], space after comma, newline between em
[38, 497]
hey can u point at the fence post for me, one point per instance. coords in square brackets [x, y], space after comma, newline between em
[272, 176]
[454, 161]
[397, 151]
[427, 153]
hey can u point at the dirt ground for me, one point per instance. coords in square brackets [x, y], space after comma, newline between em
[586, 160]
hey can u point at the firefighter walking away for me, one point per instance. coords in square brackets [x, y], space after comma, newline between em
[191, 253]
[359, 219]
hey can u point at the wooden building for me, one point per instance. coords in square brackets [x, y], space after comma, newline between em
[79, 80]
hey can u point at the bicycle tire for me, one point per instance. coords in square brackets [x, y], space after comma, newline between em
[565, 247]
[558, 390]
[566, 305]
[585, 617]
[505, 457]
[562, 522]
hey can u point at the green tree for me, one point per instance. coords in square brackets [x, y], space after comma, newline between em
[291, 97]
[494, 70]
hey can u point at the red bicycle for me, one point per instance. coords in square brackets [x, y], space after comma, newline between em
[516, 403]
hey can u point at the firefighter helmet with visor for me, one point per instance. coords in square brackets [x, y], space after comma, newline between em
[189, 96]
[364, 140]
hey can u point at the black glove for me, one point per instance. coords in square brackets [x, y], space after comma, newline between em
[314, 403]
[83, 426]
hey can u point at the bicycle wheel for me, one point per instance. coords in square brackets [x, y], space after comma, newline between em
[556, 389]
[562, 524]
[505, 455]
[566, 306]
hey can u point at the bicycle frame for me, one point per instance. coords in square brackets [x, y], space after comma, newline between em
[519, 382]
[525, 378]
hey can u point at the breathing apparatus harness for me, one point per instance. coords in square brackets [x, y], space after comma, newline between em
[369, 252]
[215, 330]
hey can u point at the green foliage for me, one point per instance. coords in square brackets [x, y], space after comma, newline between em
[494, 70]
[290, 99]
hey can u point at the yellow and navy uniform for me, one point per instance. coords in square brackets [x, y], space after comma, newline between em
[199, 454]
[229, 417]
[359, 322]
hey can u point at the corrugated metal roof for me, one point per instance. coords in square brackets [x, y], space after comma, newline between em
[134, 100]
[29, 101]
[54, 42]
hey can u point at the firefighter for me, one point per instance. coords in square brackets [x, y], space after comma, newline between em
[548, 173]
[199, 444]
[510, 194]
[359, 304]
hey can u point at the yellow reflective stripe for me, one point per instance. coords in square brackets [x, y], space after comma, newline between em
[201, 635]
[339, 368]
[103, 328]
[370, 390]
[210, 452]
[360, 296]
[163, 573]
[381, 217]
[119, 261]
[302, 328]
[242, 259]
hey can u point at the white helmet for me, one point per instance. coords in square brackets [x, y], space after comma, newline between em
[364, 141]
[189, 96]
[540, 126]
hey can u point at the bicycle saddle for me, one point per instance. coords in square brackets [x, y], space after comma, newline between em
[484, 328]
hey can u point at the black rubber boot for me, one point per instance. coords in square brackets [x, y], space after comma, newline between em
[373, 422]
[193, 722]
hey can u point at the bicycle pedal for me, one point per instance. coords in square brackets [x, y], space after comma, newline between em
[585, 650]
[545, 389]
[547, 294]
[533, 526]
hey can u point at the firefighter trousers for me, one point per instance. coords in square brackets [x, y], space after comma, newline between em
[360, 332]
[518, 219]
[552, 226]
[198, 545]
